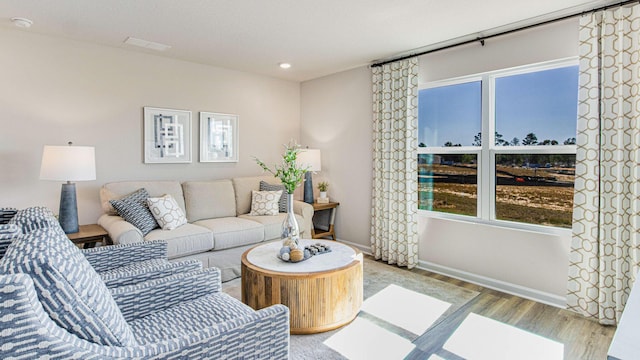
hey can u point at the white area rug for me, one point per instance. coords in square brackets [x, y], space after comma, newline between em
[399, 306]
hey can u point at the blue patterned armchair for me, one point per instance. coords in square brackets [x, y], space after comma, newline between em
[54, 304]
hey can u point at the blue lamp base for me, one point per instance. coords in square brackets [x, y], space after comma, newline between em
[68, 215]
[308, 188]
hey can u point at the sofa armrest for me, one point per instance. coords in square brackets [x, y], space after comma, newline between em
[147, 270]
[306, 211]
[140, 300]
[106, 258]
[120, 231]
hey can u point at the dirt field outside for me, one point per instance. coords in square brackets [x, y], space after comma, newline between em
[535, 196]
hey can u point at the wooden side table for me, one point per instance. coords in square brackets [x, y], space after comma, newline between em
[89, 235]
[320, 233]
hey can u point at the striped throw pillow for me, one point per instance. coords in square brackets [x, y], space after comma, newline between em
[8, 232]
[133, 209]
[6, 214]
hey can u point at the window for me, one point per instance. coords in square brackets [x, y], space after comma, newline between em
[500, 146]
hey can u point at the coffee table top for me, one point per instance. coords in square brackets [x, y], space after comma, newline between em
[265, 257]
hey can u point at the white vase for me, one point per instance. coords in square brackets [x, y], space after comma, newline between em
[323, 194]
[290, 229]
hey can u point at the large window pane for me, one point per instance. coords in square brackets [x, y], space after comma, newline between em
[450, 115]
[448, 183]
[535, 188]
[537, 108]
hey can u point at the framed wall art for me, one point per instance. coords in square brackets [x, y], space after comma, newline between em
[218, 137]
[167, 136]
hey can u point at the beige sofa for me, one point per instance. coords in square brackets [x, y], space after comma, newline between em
[219, 227]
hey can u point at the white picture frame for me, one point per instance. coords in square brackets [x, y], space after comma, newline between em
[167, 136]
[218, 137]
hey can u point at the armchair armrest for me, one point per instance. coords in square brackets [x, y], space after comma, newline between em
[120, 231]
[139, 300]
[147, 270]
[265, 332]
[306, 211]
[106, 258]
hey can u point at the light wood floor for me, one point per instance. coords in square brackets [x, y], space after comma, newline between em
[583, 339]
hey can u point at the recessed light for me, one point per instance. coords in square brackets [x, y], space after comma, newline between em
[21, 22]
[284, 65]
[147, 44]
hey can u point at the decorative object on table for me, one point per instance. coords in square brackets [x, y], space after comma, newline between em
[68, 163]
[312, 159]
[218, 137]
[323, 199]
[296, 254]
[290, 174]
[167, 136]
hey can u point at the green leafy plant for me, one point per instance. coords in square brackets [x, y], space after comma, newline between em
[322, 186]
[289, 173]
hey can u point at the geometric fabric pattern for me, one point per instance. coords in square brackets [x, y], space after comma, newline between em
[282, 204]
[69, 289]
[8, 232]
[605, 246]
[265, 202]
[106, 258]
[48, 308]
[33, 218]
[133, 208]
[394, 227]
[188, 317]
[6, 214]
[166, 211]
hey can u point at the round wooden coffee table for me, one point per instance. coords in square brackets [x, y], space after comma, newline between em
[322, 293]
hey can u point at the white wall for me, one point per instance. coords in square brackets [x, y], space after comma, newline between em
[336, 118]
[55, 90]
[336, 115]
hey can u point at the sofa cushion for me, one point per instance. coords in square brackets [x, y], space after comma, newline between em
[243, 187]
[79, 302]
[265, 202]
[209, 199]
[133, 208]
[118, 190]
[273, 224]
[232, 231]
[166, 211]
[185, 240]
[188, 317]
[282, 203]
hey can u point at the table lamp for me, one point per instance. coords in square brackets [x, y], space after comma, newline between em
[311, 159]
[68, 163]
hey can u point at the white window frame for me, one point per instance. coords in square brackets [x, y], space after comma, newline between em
[486, 154]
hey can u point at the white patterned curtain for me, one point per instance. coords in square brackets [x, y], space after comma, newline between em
[605, 246]
[394, 234]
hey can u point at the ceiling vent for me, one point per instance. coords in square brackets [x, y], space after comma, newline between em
[147, 44]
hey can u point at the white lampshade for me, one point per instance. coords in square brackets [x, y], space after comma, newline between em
[68, 163]
[310, 158]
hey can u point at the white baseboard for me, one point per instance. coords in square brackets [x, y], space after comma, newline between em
[499, 285]
[365, 249]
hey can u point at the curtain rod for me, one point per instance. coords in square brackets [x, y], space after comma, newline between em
[481, 39]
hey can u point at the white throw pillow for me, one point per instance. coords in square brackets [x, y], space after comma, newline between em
[166, 211]
[265, 202]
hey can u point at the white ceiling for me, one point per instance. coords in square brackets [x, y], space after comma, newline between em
[318, 37]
